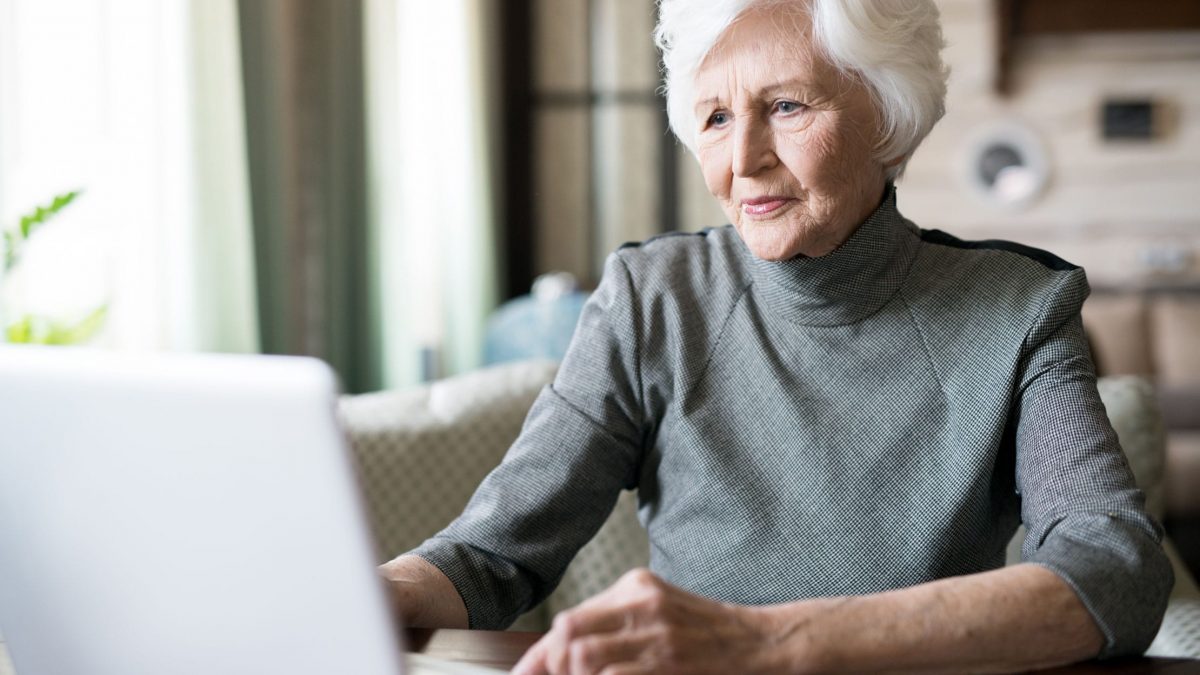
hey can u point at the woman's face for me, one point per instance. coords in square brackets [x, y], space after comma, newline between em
[785, 141]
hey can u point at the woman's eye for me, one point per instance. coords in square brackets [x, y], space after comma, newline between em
[788, 107]
[718, 119]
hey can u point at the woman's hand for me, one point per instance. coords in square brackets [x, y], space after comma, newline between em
[1006, 620]
[642, 624]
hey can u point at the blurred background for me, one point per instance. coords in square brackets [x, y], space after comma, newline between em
[368, 181]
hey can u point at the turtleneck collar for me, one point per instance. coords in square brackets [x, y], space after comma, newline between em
[848, 284]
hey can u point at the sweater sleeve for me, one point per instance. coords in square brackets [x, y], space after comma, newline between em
[1085, 517]
[579, 447]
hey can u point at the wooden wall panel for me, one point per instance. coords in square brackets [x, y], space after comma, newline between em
[1109, 205]
[561, 187]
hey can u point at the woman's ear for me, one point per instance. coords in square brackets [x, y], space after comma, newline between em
[894, 162]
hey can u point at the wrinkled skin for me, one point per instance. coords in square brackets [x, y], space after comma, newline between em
[774, 118]
[642, 624]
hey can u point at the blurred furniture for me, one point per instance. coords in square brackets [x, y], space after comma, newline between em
[422, 452]
[1155, 334]
[1021, 19]
[538, 325]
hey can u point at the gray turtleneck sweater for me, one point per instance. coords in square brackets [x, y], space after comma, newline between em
[874, 418]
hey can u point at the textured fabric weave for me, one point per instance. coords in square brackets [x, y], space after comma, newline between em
[875, 418]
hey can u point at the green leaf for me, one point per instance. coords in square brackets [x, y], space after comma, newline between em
[41, 214]
[14, 241]
[10, 250]
[29, 329]
[33, 329]
[84, 330]
[20, 331]
[62, 200]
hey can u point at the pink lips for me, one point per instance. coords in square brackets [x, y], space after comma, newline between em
[761, 206]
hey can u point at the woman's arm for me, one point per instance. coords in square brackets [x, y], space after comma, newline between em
[1006, 620]
[1084, 516]
[579, 448]
[422, 595]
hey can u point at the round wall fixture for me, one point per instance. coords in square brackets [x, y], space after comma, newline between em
[1006, 165]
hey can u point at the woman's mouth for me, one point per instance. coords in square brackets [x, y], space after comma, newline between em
[761, 206]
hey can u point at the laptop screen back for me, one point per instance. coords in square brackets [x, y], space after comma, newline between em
[182, 514]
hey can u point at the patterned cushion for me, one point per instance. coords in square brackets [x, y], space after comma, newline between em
[618, 547]
[1133, 411]
[423, 451]
[1180, 632]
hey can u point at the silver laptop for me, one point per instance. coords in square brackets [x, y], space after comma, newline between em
[177, 514]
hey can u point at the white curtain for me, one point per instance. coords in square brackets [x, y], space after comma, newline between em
[223, 298]
[431, 120]
[137, 103]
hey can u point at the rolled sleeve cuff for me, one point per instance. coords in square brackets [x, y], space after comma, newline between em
[479, 580]
[1119, 572]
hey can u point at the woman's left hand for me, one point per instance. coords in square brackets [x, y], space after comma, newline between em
[642, 624]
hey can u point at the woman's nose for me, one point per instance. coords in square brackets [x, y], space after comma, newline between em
[753, 146]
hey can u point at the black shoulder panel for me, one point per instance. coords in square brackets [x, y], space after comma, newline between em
[1044, 257]
[665, 235]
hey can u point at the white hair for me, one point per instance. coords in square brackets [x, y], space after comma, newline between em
[894, 46]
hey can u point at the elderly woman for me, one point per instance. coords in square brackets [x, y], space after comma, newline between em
[834, 420]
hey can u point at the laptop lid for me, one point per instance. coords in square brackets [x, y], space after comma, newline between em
[184, 514]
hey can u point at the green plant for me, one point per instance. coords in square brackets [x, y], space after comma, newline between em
[35, 329]
[15, 239]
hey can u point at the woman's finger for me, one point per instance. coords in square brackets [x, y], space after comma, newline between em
[617, 617]
[637, 602]
[619, 614]
[629, 669]
[534, 660]
[595, 653]
[638, 597]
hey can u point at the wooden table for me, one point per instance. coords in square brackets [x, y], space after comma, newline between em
[498, 649]
[503, 650]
